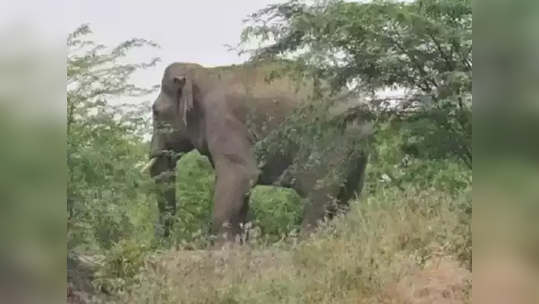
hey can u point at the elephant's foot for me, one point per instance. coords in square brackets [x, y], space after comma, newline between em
[229, 239]
[222, 242]
[309, 227]
[307, 232]
[337, 210]
[159, 231]
[162, 231]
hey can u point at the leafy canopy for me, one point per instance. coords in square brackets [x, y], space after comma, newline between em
[423, 48]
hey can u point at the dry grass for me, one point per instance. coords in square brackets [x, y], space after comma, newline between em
[393, 249]
[396, 249]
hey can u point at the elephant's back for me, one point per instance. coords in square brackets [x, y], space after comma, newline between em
[255, 97]
[262, 81]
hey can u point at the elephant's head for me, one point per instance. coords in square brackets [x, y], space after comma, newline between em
[171, 115]
[171, 108]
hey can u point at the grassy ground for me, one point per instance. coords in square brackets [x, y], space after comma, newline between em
[394, 248]
[410, 247]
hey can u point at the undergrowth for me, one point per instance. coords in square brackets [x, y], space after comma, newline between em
[396, 247]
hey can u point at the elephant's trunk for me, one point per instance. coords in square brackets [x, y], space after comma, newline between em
[163, 171]
[162, 168]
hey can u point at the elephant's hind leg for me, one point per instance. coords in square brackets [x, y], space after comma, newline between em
[352, 188]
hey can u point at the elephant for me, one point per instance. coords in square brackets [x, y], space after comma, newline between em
[223, 112]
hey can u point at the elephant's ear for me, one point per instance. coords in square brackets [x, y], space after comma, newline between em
[187, 95]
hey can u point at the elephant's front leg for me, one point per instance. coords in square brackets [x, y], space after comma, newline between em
[236, 175]
[231, 200]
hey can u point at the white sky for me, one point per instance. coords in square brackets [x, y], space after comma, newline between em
[195, 31]
[186, 30]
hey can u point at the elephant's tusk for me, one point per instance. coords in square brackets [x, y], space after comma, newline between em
[148, 165]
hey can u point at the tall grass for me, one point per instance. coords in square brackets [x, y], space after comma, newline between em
[395, 247]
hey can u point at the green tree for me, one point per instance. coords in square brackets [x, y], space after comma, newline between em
[423, 48]
[104, 140]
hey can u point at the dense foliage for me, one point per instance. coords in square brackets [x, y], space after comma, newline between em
[421, 48]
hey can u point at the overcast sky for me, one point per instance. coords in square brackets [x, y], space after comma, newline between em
[195, 31]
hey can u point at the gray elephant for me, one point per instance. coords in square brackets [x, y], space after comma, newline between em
[223, 112]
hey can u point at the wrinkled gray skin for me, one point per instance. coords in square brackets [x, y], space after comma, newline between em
[206, 109]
